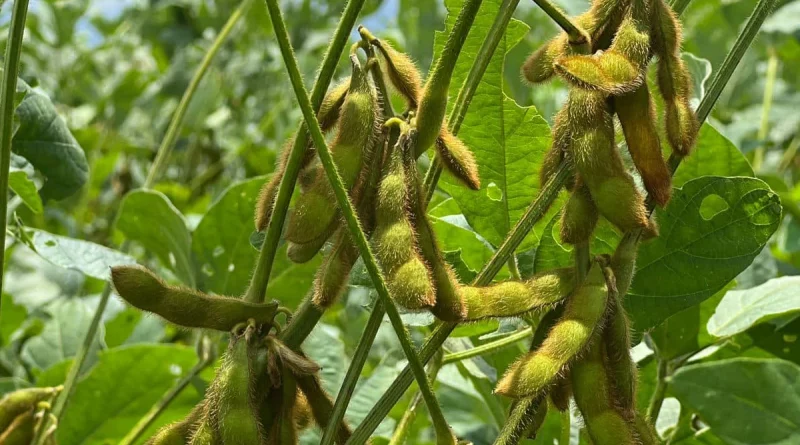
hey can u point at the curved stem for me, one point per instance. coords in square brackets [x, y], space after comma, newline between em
[443, 433]
[654, 407]
[766, 107]
[175, 125]
[258, 283]
[162, 404]
[487, 348]
[8, 90]
[575, 33]
[566, 427]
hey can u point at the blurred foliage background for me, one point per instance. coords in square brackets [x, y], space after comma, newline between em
[116, 70]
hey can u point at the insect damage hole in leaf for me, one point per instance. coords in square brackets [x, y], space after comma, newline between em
[712, 206]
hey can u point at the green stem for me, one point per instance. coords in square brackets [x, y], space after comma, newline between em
[175, 125]
[404, 426]
[8, 89]
[162, 404]
[566, 428]
[789, 154]
[679, 6]
[470, 86]
[518, 421]
[513, 268]
[353, 373]
[654, 407]
[354, 226]
[258, 283]
[158, 165]
[575, 33]
[766, 107]
[743, 41]
[488, 348]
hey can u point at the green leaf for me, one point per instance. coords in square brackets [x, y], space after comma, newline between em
[785, 20]
[508, 141]
[714, 155]
[221, 242]
[92, 259]
[741, 309]
[10, 384]
[23, 186]
[695, 257]
[126, 383]
[744, 401]
[44, 139]
[11, 318]
[149, 218]
[62, 336]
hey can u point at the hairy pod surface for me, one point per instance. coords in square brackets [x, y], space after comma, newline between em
[204, 432]
[620, 367]
[20, 401]
[515, 298]
[537, 371]
[605, 424]
[178, 433]
[21, 429]
[186, 307]
[314, 216]
[674, 79]
[328, 117]
[596, 160]
[580, 216]
[537, 421]
[394, 239]
[623, 263]
[623, 67]
[233, 404]
[458, 159]
[636, 113]
[644, 430]
[401, 71]
[449, 305]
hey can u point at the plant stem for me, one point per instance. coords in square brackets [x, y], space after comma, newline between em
[661, 389]
[743, 41]
[162, 404]
[8, 89]
[353, 373]
[354, 226]
[176, 124]
[766, 107]
[679, 6]
[575, 33]
[789, 154]
[519, 419]
[258, 283]
[565, 427]
[158, 165]
[401, 432]
[487, 348]
[470, 86]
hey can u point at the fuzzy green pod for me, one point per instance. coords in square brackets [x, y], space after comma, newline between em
[636, 113]
[449, 305]
[593, 397]
[21, 429]
[623, 67]
[186, 307]
[20, 401]
[233, 403]
[579, 217]
[674, 79]
[394, 239]
[458, 159]
[620, 366]
[401, 70]
[644, 430]
[315, 214]
[514, 298]
[179, 433]
[594, 155]
[537, 421]
[623, 263]
[204, 432]
[556, 154]
[540, 65]
[327, 117]
[537, 371]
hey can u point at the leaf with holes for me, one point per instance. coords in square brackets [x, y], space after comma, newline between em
[710, 232]
[149, 218]
[508, 141]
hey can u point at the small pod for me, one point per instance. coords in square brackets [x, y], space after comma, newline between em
[394, 240]
[596, 160]
[186, 307]
[401, 70]
[20, 401]
[593, 396]
[314, 217]
[540, 65]
[674, 79]
[623, 263]
[579, 217]
[203, 432]
[636, 113]
[178, 433]
[623, 67]
[286, 425]
[21, 429]
[458, 159]
[538, 370]
[514, 298]
[620, 367]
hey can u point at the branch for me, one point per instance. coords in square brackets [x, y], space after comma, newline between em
[353, 225]
[487, 348]
[8, 89]
[258, 283]
[576, 34]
